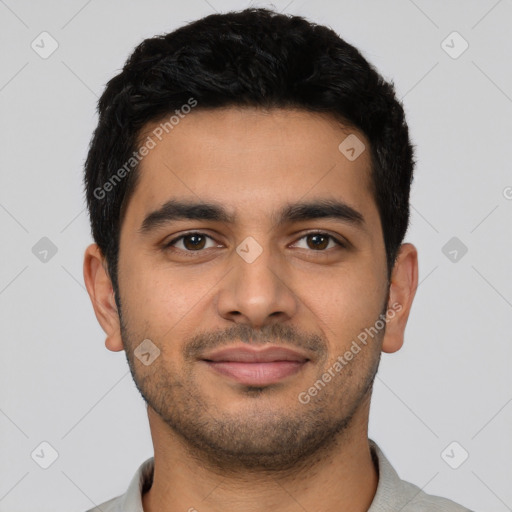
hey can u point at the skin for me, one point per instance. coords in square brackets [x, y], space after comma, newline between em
[220, 445]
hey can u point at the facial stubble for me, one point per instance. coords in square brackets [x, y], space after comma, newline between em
[268, 436]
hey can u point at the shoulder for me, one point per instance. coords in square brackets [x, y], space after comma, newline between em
[420, 501]
[393, 493]
[131, 500]
[112, 505]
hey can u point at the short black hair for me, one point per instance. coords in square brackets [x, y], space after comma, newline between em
[250, 58]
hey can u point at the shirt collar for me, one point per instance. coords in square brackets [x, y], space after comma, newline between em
[142, 480]
[390, 490]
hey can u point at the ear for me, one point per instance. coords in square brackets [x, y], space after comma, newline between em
[101, 293]
[404, 282]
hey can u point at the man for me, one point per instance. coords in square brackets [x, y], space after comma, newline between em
[248, 187]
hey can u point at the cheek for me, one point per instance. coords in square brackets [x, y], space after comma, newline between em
[159, 296]
[345, 301]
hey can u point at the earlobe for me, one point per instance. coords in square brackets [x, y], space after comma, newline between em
[99, 288]
[404, 282]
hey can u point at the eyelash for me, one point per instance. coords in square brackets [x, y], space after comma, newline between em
[168, 245]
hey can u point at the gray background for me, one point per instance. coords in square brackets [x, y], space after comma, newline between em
[450, 382]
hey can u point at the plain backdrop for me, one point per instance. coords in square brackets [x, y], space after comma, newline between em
[446, 395]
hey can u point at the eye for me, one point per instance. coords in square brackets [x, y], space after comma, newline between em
[191, 242]
[320, 241]
[196, 241]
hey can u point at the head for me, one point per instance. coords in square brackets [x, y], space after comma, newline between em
[287, 156]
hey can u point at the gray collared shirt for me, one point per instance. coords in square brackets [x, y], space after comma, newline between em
[393, 494]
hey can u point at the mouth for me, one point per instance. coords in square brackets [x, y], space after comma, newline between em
[254, 367]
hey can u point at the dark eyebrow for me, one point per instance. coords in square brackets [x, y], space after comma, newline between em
[320, 209]
[199, 210]
[182, 210]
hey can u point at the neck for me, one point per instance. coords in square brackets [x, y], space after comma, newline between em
[343, 478]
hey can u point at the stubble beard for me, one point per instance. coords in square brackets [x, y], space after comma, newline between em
[276, 440]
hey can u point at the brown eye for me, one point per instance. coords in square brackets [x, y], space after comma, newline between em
[192, 242]
[319, 241]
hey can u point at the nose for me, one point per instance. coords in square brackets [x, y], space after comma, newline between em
[257, 291]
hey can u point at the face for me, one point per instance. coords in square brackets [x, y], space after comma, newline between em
[251, 270]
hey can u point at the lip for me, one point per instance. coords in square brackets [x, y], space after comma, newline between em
[256, 367]
[257, 374]
[244, 354]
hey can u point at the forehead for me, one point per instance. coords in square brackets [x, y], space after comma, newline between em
[252, 161]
